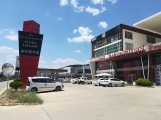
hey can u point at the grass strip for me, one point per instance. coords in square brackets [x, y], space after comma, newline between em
[29, 97]
[21, 97]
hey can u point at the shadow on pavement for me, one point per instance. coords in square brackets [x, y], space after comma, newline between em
[49, 91]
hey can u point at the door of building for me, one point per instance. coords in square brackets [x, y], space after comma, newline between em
[131, 78]
[158, 75]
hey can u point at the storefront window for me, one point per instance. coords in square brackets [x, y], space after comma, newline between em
[102, 65]
[131, 70]
[157, 59]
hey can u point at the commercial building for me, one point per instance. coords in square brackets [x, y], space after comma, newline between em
[79, 70]
[129, 52]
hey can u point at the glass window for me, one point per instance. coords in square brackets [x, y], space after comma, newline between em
[48, 81]
[150, 39]
[43, 80]
[128, 35]
[80, 71]
[34, 80]
[128, 46]
[87, 71]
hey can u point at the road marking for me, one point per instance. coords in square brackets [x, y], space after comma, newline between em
[45, 112]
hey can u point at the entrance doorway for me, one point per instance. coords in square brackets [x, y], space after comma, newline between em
[131, 78]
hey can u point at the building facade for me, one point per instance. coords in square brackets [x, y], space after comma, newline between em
[127, 53]
[80, 71]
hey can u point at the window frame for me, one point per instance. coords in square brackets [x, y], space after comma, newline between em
[128, 47]
[150, 39]
[128, 35]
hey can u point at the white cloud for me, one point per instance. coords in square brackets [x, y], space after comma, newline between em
[113, 1]
[95, 11]
[97, 2]
[12, 35]
[78, 51]
[87, 61]
[8, 50]
[102, 24]
[75, 31]
[60, 18]
[12, 32]
[2, 31]
[59, 62]
[74, 3]
[77, 8]
[43, 64]
[63, 2]
[85, 36]
[10, 55]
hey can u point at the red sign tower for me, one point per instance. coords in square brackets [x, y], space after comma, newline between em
[30, 42]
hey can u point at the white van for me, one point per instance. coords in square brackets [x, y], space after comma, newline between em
[35, 84]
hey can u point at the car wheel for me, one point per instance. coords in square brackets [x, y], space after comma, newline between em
[110, 85]
[99, 84]
[104, 86]
[34, 90]
[58, 88]
[91, 82]
[122, 85]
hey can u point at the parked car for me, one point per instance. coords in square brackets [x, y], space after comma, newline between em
[112, 82]
[98, 81]
[35, 84]
[84, 80]
[74, 80]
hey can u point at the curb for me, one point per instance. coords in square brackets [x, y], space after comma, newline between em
[22, 104]
[2, 91]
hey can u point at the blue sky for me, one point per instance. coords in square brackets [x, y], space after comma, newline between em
[67, 25]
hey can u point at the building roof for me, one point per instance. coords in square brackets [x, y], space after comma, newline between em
[74, 65]
[151, 23]
[47, 69]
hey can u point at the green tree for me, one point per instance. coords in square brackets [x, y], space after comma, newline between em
[1, 75]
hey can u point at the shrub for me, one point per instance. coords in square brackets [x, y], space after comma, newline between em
[17, 80]
[143, 82]
[16, 84]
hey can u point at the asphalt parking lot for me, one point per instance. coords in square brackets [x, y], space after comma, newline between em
[88, 102]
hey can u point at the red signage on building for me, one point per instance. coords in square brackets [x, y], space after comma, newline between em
[127, 52]
[156, 47]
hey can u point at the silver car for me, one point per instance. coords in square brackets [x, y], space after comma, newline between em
[112, 82]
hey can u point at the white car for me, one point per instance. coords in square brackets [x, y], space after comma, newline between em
[35, 84]
[112, 82]
[97, 82]
[74, 80]
[83, 80]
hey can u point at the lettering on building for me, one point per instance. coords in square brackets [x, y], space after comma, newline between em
[156, 47]
[98, 57]
[127, 52]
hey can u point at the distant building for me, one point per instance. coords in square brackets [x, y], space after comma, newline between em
[80, 70]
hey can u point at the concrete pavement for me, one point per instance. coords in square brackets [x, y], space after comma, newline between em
[88, 102]
[3, 86]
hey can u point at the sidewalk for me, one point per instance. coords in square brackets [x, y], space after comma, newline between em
[23, 113]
